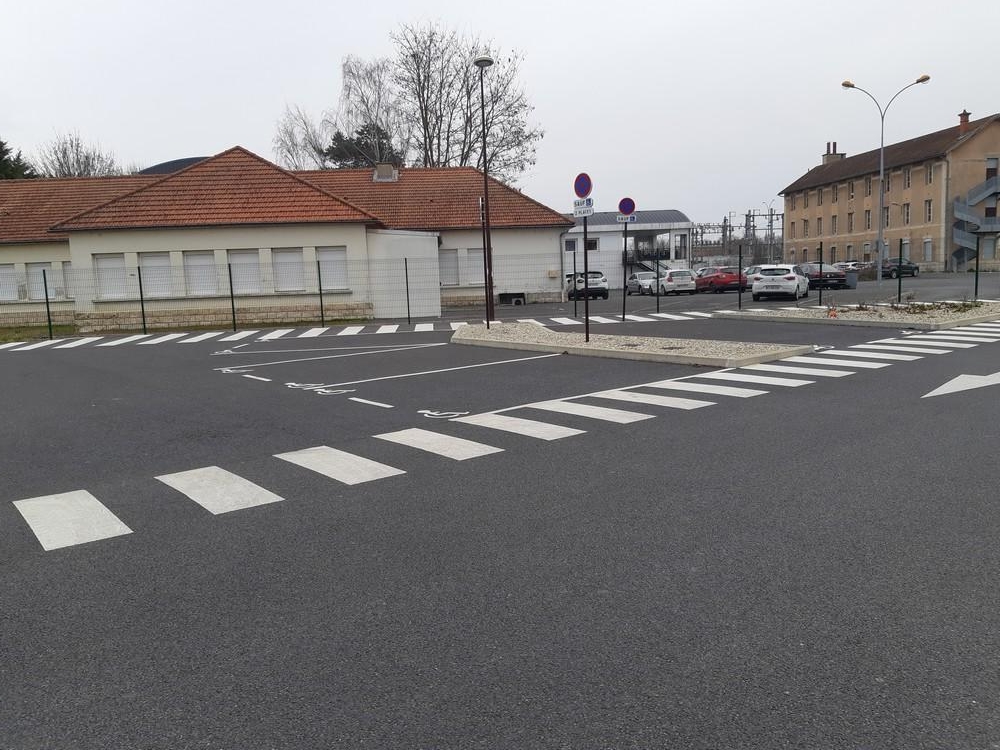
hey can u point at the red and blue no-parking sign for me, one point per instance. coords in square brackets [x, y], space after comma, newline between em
[582, 185]
[626, 206]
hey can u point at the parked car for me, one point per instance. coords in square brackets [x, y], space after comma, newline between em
[703, 270]
[824, 275]
[779, 281]
[720, 279]
[678, 281]
[597, 285]
[641, 282]
[892, 268]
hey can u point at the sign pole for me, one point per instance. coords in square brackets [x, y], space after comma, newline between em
[624, 265]
[975, 293]
[656, 281]
[739, 277]
[586, 285]
[574, 285]
[820, 274]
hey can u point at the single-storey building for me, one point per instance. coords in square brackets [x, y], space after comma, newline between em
[235, 231]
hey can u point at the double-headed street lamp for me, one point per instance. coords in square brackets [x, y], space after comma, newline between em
[879, 246]
[483, 62]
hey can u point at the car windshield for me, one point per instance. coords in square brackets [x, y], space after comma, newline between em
[728, 270]
[646, 275]
[774, 271]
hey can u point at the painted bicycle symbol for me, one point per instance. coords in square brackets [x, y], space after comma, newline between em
[441, 414]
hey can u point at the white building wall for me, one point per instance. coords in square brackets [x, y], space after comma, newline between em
[403, 270]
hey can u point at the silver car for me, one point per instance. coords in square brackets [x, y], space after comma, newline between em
[640, 282]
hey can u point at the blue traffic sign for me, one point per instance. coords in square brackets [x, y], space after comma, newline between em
[582, 185]
[626, 206]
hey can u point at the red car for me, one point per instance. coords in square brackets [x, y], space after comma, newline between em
[719, 280]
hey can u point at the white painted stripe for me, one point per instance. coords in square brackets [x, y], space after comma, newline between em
[760, 379]
[670, 316]
[37, 345]
[715, 390]
[636, 397]
[313, 333]
[567, 321]
[599, 319]
[455, 448]
[960, 336]
[526, 427]
[699, 314]
[530, 320]
[895, 348]
[271, 335]
[819, 360]
[340, 465]
[387, 329]
[618, 416]
[161, 339]
[989, 328]
[983, 325]
[201, 337]
[351, 331]
[423, 327]
[126, 340]
[257, 377]
[928, 342]
[12, 344]
[219, 491]
[812, 371]
[871, 355]
[370, 403]
[69, 518]
[456, 326]
[639, 318]
[78, 342]
[238, 336]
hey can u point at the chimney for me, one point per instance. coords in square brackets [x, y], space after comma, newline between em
[831, 153]
[385, 173]
[963, 122]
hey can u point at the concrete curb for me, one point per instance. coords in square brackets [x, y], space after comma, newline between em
[736, 315]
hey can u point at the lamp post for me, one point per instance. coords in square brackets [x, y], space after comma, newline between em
[879, 247]
[483, 62]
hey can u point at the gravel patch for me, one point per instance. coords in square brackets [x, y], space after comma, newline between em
[928, 316]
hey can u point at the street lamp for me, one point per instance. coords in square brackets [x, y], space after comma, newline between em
[879, 248]
[483, 62]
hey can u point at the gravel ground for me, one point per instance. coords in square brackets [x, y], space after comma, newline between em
[914, 315]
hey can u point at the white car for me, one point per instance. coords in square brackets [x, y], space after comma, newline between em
[596, 286]
[677, 281]
[641, 282]
[779, 280]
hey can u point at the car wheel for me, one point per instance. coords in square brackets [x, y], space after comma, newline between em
[805, 293]
[916, 272]
[692, 291]
[628, 292]
[756, 297]
[893, 274]
[606, 294]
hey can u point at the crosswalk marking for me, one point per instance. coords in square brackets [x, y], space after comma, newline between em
[201, 337]
[69, 518]
[899, 348]
[715, 390]
[313, 333]
[670, 316]
[272, 335]
[636, 397]
[423, 327]
[126, 340]
[37, 345]
[955, 337]
[351, 330]
[455, 448]
[618, 416]
[456, 326]
[217, 490]
[340, 465]
[567, 321]
[238, 336]
[639, 318]
[699, 314]
[78, 342]
[983, 326]
[925, 342]
[870, 355]
[387, 329]
[599, 319]
[530, 320]
[11, 344]
[161, 339]
[526, 427]
[760, 379]
[820, 360]
[799, 370]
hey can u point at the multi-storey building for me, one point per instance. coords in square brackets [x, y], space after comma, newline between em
[940, 201]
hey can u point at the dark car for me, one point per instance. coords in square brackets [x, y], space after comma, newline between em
[892, 268]
[721, 279]
[824, 276]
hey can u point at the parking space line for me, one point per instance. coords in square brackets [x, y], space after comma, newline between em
[761, 379]
[219, 491]
[718, 390]
[78, 342]
[340, 465]
[69, 518]
[458, 449]
[618, 416]
[799, 370]
[637, 397]
[837, 362]
[519, 426]
[371, 403]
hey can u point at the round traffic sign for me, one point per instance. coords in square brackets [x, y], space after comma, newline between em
[626, 206]
[582, 185]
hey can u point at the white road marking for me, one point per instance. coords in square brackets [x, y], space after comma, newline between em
[819, 360]
[670, 316]
[313, 333]
[760, 379]
[813, 371]
[219, 491]
[567, 321]
[255, 377]
[238, 336]
[526, 427]
[12, 344]
[275, 334]
[871, 355]
[423, 327]
[530, 320]
[636, 397]
[897, 348]
[960, 336]
[925, 342]
[718, 390]
[618, 416]
[351, 331]
[161, 339]
[455, 448]
[599, 319]
[69, 518]
[37, 345]
[370, 403]
[699, 314]
[340, 465]
[964, 383]
[126, 340]
[201, 337]
[367, 350]
[456, 326]
[639, 318]
[387, 329]
[78, 342]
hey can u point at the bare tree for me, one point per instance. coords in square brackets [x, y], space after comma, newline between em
[369, 103]
[300, 142]
[68, 156]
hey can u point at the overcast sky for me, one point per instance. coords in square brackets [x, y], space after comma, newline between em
[705, 107]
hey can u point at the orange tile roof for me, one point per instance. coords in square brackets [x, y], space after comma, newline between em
[431, 198]
[29, 207]
[233, 188]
